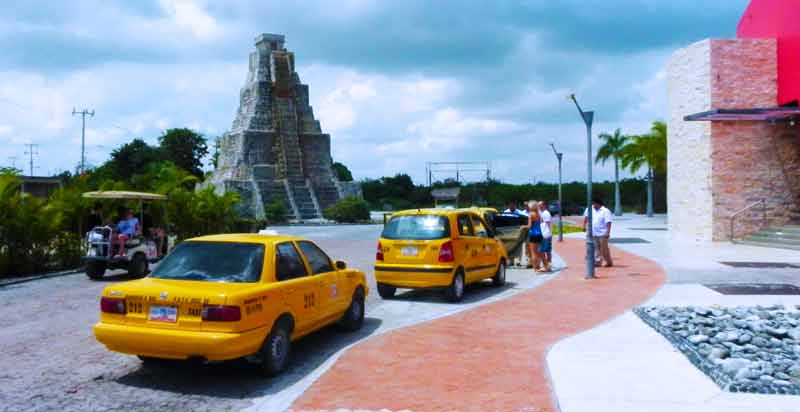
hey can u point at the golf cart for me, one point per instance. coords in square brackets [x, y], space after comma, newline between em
[140, 250]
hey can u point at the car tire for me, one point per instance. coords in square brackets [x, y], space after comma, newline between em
[353, 318]
[276, 350]
[455, 292]
[95, 269]
[386, 291]
[137, 267]
[151, 362]
[499, 278]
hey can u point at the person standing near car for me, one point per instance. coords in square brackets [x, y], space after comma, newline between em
[601, 231]
[534, 235]
[546, 247]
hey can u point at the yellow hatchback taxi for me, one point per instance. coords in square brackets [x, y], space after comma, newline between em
[224, 297]
[438, 248]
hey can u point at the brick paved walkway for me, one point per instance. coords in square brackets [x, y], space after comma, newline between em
[491, 358]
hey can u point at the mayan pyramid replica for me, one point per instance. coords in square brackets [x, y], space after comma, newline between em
[275, 148]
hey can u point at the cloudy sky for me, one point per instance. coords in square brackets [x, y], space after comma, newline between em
[395, 83]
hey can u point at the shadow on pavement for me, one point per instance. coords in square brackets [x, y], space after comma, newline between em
[472, 293]
[239, 379]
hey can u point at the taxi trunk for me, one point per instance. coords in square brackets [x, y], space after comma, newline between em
[174, 304]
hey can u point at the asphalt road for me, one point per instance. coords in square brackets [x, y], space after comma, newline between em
[51, 360]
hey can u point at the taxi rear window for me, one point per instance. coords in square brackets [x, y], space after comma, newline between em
[213, 262]
[417, 227]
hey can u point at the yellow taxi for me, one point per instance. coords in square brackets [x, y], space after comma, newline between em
[438, 248]
[230, 296]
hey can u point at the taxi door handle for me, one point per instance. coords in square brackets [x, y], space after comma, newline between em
[290, 290]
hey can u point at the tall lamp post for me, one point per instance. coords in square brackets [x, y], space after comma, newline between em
[559, 155]
[588, 117]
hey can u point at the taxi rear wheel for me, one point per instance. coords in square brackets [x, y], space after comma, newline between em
[354, 316]
[138, 266]
[499, 278]
[386, 291]
[455, 292]
[276, 350]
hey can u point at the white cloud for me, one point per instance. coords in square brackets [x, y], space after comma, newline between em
[189, 15]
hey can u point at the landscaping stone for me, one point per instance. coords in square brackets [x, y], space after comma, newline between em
[743, 349]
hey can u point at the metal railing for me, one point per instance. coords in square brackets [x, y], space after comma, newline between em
[762, 202]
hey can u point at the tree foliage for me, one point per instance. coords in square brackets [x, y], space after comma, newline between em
[612, 146]
[341, 172]
[348, 210]
[186, 148]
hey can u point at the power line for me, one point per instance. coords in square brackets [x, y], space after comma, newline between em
[31, 152]
[83, 114]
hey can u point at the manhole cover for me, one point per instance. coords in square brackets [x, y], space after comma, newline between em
[627, 240]
[761, 265]
[654, 229]
[755, 289]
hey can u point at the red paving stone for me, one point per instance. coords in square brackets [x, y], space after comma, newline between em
[489, 358]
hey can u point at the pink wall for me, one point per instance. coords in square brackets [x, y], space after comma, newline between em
[778, 19]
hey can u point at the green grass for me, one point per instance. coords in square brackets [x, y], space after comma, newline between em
[567, 228]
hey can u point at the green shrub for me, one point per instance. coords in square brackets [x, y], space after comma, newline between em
[275, 211]
[348, 210]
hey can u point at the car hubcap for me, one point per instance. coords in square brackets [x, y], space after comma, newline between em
[278, 348]
[502, 272]
[459, 286]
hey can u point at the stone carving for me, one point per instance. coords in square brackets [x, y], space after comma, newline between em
[275, 148]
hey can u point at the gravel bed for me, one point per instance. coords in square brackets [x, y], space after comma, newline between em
[742, 349]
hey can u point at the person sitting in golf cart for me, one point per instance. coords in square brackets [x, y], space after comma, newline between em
[127, 228]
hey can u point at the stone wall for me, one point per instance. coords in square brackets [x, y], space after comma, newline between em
[719, 168]
[689, 197]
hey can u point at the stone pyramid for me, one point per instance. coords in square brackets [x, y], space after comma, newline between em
[275, 148]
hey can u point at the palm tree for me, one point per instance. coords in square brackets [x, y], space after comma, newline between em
[647, 150]
[611, 149]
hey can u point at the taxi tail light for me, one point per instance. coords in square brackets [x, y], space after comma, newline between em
[379, 253]
[112, 305]
[446, 252]
[220, 313]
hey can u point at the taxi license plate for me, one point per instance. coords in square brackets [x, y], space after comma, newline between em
[410, 251]
[164, 314]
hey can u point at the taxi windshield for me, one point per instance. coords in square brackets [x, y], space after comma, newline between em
[213, 262]
[417, 227]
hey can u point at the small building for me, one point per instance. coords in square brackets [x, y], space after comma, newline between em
[446, 197]
[40, 186]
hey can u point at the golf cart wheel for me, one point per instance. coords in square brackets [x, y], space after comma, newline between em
[95, 269]
[499, 278]
[138, 266]
[455, 292]
[386, 291]
[354, 316]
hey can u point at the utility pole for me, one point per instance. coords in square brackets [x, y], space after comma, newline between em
[13, 160]
[588, 118]
[559, 155]
[31, 152]
[83, 114]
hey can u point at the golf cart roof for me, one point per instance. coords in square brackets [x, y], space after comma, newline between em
[114, 194]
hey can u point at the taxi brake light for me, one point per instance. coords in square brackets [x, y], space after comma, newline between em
[379, 253]
[446, 252]
[112, 305]
[220, 313]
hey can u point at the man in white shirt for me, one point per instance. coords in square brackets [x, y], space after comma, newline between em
[546, 247]
[601, 231]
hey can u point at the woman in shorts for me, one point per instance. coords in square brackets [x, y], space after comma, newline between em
[534, 235]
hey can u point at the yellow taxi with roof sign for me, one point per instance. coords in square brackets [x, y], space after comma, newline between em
[438, 248]
[231, 296]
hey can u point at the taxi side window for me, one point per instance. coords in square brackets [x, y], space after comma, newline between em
[288, 264]
[317, 259]
[480, 229]
[465, 226]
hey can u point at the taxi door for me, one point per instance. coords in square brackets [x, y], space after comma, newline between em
[299, 290]
[487, 255]
[468, 247]
[332, 296]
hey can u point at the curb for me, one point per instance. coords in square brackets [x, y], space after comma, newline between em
[37, 277]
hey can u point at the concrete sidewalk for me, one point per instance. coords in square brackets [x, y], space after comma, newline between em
[624, 365]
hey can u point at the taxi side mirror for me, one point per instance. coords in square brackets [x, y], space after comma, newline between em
[341, 265]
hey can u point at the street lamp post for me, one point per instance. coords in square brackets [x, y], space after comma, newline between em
[559, 155]
[588, 118]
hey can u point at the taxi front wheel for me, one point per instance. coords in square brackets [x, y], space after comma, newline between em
[499, 278]
[276, 350]
[354, 316]
[455, 292]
